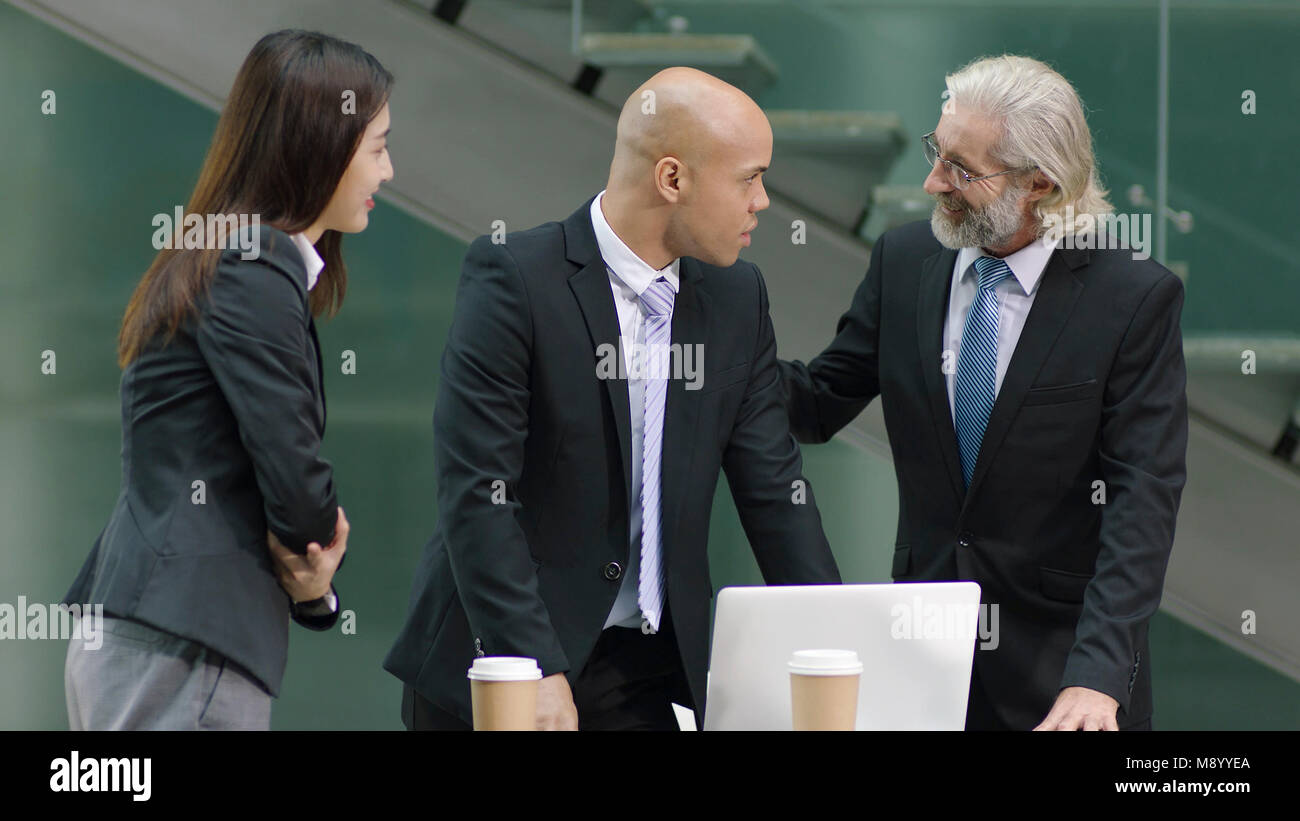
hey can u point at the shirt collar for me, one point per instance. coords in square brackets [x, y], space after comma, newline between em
[1027, 264]
[626, 265]
[309, 258]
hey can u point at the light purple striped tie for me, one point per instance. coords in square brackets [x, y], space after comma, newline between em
[657, 301]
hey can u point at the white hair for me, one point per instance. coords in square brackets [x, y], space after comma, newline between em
[1042, 125]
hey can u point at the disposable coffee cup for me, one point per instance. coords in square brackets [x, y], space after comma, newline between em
[824, 689]
[503, 692]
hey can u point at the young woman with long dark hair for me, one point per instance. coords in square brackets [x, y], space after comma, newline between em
[228, 522]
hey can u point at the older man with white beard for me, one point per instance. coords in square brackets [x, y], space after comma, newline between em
[1034, 395]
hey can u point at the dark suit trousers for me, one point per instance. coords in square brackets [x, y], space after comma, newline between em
[629, 683]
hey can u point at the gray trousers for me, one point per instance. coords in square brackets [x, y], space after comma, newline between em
[145, 679]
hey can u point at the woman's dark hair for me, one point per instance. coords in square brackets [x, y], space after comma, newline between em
[295, 116]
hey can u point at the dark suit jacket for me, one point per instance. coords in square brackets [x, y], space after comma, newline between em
[236, 401]
[520, 404]
[1095, 391]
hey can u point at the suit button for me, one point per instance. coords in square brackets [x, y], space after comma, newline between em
[613, 571]
[965, 538]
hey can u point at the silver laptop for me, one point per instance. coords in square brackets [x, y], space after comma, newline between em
[916, 642]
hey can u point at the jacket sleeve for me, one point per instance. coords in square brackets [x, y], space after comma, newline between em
[1143, 454]
[320, 623]
[829, 392]
[480, 424]
[253, 333]
[765, 471]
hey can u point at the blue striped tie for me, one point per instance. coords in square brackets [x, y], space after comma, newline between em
[977, 364]
[657, 301]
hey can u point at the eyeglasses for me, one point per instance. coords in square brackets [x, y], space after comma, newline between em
[958, 176]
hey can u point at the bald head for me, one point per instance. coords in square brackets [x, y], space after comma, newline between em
[682, 113]
[686, 179]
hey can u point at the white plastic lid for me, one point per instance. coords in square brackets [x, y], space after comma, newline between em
[504, 668]
[825, 663]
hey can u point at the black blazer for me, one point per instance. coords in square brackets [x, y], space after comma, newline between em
[1095, 391]
[235, 401]
[520, 403]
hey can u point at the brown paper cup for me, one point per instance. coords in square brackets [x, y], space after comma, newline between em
[824, 689]
[503, 693]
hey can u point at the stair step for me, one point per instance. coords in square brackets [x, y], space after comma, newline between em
[853, 130]
[540, 32]
[1275, 354]
[894, 205]
[735, 58]
[830, 161]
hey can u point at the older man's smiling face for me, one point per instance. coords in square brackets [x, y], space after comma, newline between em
[985, 214]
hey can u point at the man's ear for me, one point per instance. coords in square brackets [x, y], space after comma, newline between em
[670, 174]
[1040, 186]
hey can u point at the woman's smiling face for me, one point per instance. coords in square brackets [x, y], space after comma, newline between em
[348, 210]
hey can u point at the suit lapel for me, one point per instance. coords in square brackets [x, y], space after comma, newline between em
[932, 310]
[1057, 292]
[681, 407]
[590, 286]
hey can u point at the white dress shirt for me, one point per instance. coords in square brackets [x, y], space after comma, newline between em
[629, 276]
[1015, 296]
[309, 257]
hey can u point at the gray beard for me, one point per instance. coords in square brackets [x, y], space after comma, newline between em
[992, 226]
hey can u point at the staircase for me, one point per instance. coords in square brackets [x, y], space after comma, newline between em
[827, 162]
